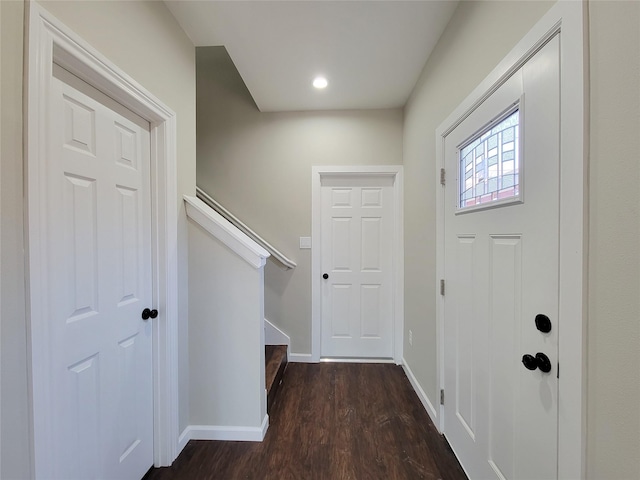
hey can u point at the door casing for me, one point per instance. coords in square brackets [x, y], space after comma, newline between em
[569, 19]
[317, 173]
[51, 41]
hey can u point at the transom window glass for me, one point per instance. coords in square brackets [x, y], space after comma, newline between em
[490, 164]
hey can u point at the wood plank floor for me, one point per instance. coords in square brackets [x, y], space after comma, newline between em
[331, 421]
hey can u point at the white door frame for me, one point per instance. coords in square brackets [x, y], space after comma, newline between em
[50, 41]
[317, 173]
[569, 20]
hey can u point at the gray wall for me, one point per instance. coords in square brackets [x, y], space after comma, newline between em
[258, 165]
[226, 354]
[149, 46]
[613, 400]
[477, 38]
[14, 415]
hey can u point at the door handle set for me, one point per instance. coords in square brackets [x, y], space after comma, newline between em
[147, 314]
[541, 361]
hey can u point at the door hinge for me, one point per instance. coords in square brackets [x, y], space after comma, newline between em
[442, 397]
[442, 177]
[442, 286]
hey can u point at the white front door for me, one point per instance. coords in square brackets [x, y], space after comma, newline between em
[357, 239]
[99, 282]
[501, 271]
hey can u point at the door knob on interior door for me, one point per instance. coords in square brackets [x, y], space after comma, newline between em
[147, 314]
[325, 276]
[540, 361]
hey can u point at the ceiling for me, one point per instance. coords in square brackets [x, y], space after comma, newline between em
[371, 52]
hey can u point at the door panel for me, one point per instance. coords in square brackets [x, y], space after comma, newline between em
[357, 220]
[98, 193]
[341, 230]
[341, 310]
[371, 229]
[81, 245]
[505, 292]
[465, 380]
[501, 267]
[370, 311]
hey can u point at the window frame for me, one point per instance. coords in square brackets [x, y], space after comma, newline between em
[517, 106]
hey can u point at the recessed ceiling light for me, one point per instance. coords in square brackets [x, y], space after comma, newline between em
[320, 82]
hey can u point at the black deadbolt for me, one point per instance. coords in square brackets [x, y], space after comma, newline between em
[543, 323]
[325, 276]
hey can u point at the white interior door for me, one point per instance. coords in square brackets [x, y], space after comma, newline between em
[357, 238]
[501, 270]
[99, 254]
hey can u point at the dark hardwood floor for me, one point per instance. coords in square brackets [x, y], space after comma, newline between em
[331, 421]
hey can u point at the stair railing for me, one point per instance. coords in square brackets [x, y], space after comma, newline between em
[286, 262]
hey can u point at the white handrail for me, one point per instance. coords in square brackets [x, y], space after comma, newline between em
[279, 256]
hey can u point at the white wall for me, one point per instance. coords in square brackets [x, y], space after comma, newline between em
[226, 349]
[478, 36]
[258, 165]
[144, 40]
[613, 401]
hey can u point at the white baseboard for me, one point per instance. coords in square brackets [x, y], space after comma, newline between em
[224, 432]
[426, 403]
[300, 358]
[274, 336]
[183, 439]
[356, 360]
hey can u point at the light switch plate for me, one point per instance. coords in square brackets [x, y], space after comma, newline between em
[305, 242]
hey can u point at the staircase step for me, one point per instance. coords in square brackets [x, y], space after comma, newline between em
[275, 365]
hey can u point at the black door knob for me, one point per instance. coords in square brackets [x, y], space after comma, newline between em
[325, 276]
[530, 362]
[147, 314]
[544, 364]
[540, 361]
[543, 323]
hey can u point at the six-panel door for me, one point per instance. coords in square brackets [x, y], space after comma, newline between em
[357, 235]
[98, 196]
